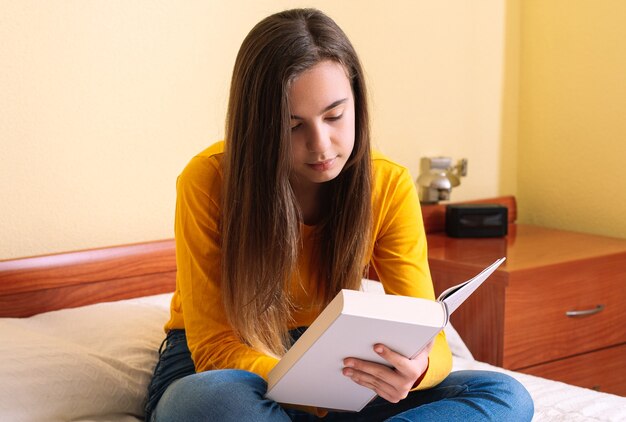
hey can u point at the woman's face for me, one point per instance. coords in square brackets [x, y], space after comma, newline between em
[322, 124]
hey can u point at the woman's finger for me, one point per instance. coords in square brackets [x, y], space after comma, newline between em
[378, 385]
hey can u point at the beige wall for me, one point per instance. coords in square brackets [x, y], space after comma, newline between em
[103, 103]
[572, 115]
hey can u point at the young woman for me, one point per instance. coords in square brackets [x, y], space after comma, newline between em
[273, 222]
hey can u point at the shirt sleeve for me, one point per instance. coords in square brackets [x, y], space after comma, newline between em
[400, 256]
[211, 339]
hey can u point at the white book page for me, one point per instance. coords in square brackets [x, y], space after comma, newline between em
[456, 295]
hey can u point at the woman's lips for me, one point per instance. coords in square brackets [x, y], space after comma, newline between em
[322, 165]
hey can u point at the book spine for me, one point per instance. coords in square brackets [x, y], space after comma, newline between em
[446, 313]
[307, 339]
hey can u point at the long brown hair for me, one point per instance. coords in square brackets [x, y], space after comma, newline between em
[261, 237]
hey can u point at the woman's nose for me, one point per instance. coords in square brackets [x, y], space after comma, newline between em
[318, 139]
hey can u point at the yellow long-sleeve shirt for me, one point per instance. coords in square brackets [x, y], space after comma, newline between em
[398, 253]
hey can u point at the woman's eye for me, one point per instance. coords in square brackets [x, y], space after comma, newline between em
[296, 126]
[334, 118]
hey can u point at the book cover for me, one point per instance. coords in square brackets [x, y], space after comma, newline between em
[310, 373]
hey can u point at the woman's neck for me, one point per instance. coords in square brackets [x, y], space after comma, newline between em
[310, 199]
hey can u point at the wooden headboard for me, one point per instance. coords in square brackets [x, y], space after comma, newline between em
[29, 286]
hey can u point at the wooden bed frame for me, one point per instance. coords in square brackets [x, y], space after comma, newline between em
[29, 286]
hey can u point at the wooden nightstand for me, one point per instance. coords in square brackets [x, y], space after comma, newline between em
[518, 318]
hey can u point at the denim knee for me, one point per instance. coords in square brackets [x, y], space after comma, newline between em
[220, 395]
[508, 391]
[523, 402]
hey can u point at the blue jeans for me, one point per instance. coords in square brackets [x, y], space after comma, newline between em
[236, 395]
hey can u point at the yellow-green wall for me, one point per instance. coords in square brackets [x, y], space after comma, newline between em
[103, 102]
[572, 115]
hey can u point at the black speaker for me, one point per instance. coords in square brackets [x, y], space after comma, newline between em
[476, 220]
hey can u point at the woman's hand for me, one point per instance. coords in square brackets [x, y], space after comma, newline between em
[393, 384]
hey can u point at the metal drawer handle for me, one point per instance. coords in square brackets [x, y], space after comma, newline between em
[595, 310]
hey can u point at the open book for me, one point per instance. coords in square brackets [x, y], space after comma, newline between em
[310, 373]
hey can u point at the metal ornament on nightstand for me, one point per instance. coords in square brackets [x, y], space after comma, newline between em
[437, 178]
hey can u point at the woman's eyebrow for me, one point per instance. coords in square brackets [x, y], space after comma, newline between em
[327, 108]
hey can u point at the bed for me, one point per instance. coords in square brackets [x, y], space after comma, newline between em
[80, 332]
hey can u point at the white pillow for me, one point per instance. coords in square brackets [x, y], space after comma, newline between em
[80, 363]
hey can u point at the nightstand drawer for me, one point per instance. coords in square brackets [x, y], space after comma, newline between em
[602, 370]
[537, 328]
[517, 318]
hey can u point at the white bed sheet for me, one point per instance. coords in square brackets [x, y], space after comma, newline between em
[94, 363]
